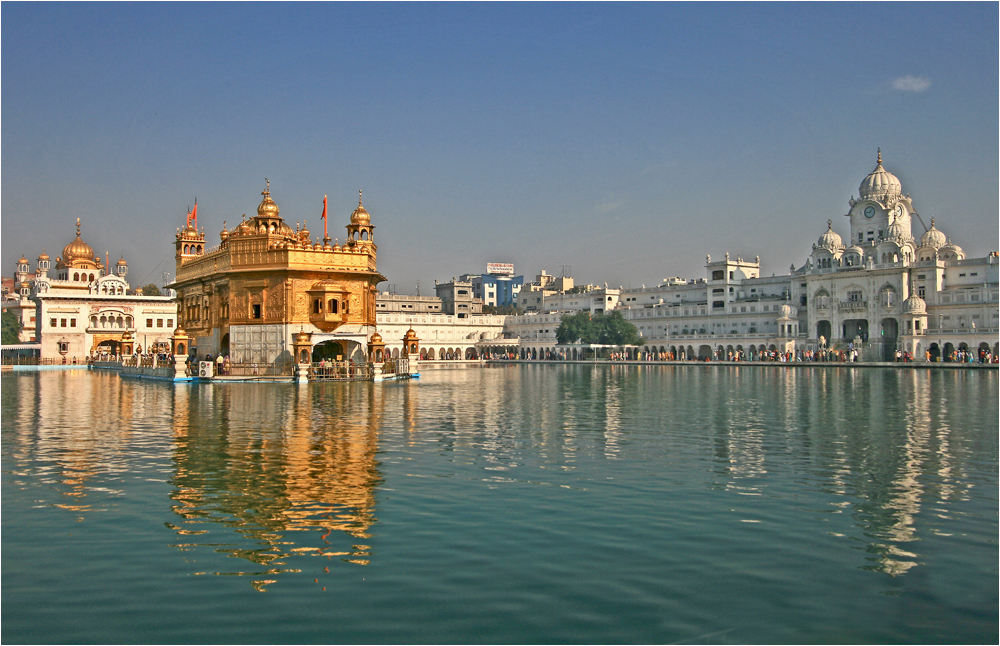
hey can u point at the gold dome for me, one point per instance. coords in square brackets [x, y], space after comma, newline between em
[360, 215]
[376, 338]
[22, 261]
[267, 208]
[121, 261]
[43, 256]
[78, 249]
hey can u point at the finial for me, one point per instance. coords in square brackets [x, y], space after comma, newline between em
[267, 187]
[880, 156]
[223, 225]
[359, 197]
[932, 222]
[78, 227]
[829, 225]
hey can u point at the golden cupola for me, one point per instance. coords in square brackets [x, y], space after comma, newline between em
[78, 250]
[360, 230]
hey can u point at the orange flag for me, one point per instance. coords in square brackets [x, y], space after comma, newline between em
[324, 218]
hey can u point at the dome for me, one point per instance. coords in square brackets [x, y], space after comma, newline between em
[78, 249]
[267, 208]
[121, 262]
[879, 183]
[897, 232]
[953, 248]
[376, 338]
[788, 312]
[360, 215]
[43, 255]
[933, 237]
[22, 261]
[914, 305]
[855, 249]
[830, 239]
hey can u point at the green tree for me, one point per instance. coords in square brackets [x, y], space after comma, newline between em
[577, 328]
[510, 310]
[11, 327]
[606, 329]
[151, 290]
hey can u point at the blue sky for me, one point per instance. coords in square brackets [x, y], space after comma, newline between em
[625, 141]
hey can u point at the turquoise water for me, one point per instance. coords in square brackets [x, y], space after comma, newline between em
[538, 504]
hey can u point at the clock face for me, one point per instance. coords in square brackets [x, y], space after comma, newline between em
[899, 211]
[869, 211]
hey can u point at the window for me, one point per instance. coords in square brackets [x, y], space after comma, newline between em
[53, 323]
[159, 322]
[62, 322]
[718, 275]
[72, 322]
[854, 296]
[149, 322]
[255, 311]
[921, 291]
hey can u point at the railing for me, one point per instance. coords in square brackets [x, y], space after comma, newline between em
[284, 369]
[853, 306]
[340, 371]
[36, 361]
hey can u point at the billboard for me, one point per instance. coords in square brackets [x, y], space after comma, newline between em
[500, 268]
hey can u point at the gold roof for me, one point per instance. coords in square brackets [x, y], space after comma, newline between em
[360, 215]
[78, 249]
[267, 208]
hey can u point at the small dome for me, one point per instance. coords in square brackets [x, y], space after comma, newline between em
[830, 239]
[360, 215]
[22, 261]
[267, 208]
[933, 237]
[121, 262]
[914, 305]
[897, 232]
[953, 248]
[43, 255]
[879, 183]
[376, 338]
[78, 249]
[855, 249]
[788, 312]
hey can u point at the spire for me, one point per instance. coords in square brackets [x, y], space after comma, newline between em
[880, 156]
[359, 197]
[267, 188]
[829, 225]
[78, 227]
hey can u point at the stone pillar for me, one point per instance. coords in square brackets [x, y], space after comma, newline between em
[376, 356]
[179, 347]
[411, 350]
[302, 349]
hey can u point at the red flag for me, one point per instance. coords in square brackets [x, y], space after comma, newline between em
[194, 214]
[324, 218]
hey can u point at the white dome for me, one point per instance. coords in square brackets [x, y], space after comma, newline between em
[879, 183]
[830, 239]
[914, 305]
[933, 237]
[788, 312]
[897, 232]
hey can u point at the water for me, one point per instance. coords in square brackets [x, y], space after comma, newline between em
[540, 504]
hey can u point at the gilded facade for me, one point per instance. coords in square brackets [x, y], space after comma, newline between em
[265, 282]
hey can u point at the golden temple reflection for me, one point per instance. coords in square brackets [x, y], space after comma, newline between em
[264, 464]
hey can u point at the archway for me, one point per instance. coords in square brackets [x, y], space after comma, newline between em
[704, 352]
[825, 330]
[935, 352]
[949, 352]
[890, 331]
[328, 350]
[224, 345]
[855, 328]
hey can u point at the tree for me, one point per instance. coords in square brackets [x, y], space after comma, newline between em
[510, 310]
[11, 327]
[577, 328]
[610, 329]
[151, 290]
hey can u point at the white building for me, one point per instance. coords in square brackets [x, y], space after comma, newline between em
[883, 290]
[85, 310]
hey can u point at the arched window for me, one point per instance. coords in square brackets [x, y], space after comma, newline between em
[76, 276]
[332, 306]
[317, 306]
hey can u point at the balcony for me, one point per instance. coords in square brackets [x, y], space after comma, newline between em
[853, 307]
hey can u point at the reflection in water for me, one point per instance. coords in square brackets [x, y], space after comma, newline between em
[266, 460]
[272, 474]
